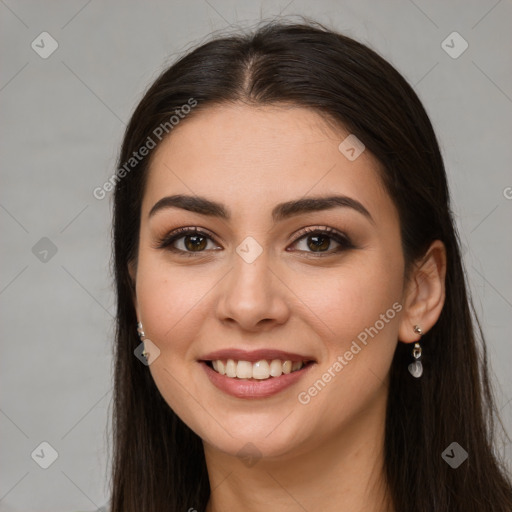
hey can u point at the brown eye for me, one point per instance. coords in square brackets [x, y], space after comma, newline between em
[194, 241]
[319, 240]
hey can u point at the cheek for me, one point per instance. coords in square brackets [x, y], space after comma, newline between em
[170, 304]
[360, 310]
[352, 297]
[167, 300]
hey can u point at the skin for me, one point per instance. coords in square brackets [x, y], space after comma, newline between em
[328, 454]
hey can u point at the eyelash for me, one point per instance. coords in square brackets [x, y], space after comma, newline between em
[167, 241]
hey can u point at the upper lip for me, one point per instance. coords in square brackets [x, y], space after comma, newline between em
[254, 355]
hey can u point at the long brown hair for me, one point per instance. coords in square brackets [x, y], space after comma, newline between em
[158, 462]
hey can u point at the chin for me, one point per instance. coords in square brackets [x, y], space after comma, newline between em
[266, 442]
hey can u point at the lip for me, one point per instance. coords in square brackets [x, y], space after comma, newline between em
[255, 355]
[253, 388]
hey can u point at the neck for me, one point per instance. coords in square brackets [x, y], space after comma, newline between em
[343, 473]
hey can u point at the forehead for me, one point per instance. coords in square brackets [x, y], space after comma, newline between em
[248, 157]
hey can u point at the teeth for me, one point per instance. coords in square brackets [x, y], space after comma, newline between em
[231, 368]
[276, 368]
[296, 365]
[260, 370]
[244, 370]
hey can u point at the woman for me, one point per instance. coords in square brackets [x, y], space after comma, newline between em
[294, 329]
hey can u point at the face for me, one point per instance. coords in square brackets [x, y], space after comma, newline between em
[323, 283]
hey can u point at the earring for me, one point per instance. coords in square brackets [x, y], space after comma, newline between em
[142, 335]
[416, 368]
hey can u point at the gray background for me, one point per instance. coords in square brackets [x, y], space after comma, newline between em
[62, 122]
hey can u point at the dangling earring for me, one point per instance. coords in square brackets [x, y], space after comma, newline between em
[416, 368]
[142, 335]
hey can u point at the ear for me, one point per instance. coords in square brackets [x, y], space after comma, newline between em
[132, 271]
[424, 293]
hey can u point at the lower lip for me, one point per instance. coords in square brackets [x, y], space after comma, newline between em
[253, 388]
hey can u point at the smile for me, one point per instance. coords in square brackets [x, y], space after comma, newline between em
[260, 370]
[267, 377]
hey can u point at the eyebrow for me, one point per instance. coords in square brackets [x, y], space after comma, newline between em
[280, 212]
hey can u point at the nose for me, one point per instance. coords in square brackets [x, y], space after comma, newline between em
[253, 295]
